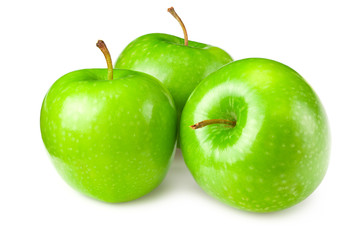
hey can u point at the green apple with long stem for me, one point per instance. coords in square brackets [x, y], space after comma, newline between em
[259, 136]
[178, 63]
[110, 133]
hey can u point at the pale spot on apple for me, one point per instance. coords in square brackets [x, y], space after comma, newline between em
[249, 178]
[249, 189]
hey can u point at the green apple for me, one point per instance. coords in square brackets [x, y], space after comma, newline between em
[178, 63]
[111, 134]
[261, 142]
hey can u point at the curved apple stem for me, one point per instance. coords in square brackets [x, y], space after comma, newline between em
[213, 121]
[100, 44]
[172, 12]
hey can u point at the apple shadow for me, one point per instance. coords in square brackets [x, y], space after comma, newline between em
[179, 179]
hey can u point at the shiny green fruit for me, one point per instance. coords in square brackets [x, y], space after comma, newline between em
[113, 139]
[262, 139]
[179, 64]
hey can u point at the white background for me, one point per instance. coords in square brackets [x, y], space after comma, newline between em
[42, 40]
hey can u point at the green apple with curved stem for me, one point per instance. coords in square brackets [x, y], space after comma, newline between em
[111, 134]
[178, 63]
[260, 141]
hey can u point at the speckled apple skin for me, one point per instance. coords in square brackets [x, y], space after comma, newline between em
[276, 155]
[112, 140]
[180, 68]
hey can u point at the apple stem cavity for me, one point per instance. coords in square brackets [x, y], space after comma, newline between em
[213, 121]
[172, 12]
[101, 44]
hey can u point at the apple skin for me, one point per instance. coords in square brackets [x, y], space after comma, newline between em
[180, 68]
[276, 155]
[112, 140]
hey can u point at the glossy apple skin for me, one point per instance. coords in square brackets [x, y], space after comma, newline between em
[180, 68]
[276, 155]
[112, 140]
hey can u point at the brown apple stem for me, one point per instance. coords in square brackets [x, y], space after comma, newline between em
[100, 44]
[213, 121]
[172, 12]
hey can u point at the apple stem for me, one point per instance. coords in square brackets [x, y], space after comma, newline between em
[100, 44]
[172, 12]
[213, 121]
